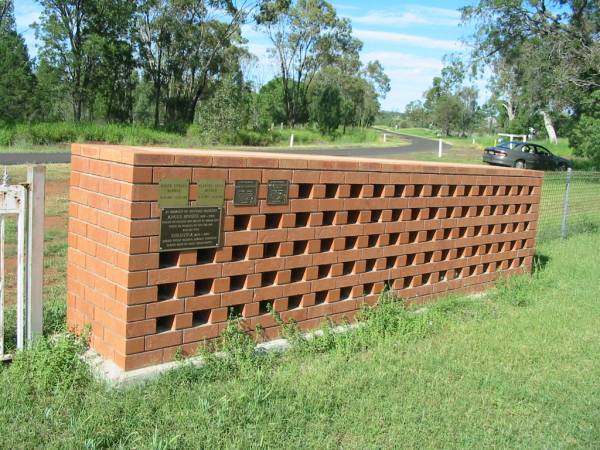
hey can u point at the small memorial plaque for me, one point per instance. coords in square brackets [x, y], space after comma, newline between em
[278, 192]
[246, 193]
[190, 228]
[173, 194]
[211, 193]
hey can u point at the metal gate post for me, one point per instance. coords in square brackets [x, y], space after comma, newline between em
[36, 179]
[2, 284]
[21, 264]
[564, 229]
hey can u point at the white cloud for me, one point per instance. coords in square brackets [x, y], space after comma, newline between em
[410, 75]
[401, 60]
[408, 39]
[413, 15]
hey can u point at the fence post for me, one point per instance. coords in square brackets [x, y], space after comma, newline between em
[2, 281]
[440, 149]
[292, 140]
[36, 178]
[564, 229]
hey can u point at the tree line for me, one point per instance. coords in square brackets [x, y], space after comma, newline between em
[172, 64]
[542, 60]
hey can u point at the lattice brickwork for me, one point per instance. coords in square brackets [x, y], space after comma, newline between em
[351, 226]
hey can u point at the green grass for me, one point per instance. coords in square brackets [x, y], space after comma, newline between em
[462, 142]
[66, 132]
[518, 368]
[584, 204]
[465, 152]
[481, 141]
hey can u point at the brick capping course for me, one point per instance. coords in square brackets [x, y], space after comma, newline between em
[352, 226]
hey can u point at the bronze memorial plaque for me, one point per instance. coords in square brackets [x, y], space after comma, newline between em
[173, 193]
[246, 193]
[278, 192]
[211, 193]
[190, 228]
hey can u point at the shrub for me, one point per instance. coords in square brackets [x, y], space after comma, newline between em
[585, 138]
[63, 132]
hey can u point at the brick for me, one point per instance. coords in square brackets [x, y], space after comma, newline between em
[162, 340]
[183, 321]
[164, 308]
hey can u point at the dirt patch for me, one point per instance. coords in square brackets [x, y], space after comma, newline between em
[60, 187]
[10, 280]
[55, 222]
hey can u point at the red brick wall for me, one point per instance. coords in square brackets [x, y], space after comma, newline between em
[351, 226]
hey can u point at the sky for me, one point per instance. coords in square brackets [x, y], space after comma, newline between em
[409, 38]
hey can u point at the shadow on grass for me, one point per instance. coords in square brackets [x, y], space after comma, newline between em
[540, 262]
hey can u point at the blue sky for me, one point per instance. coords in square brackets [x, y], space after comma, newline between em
[409, 38]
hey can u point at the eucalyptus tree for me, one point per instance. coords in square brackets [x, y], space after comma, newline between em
[553, 46]
[78, 37]
[306, 35]
[185, 45]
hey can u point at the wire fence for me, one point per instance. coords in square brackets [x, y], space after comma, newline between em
[570, 204]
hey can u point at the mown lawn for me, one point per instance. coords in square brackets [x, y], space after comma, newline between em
[517, 368]
[481, 141]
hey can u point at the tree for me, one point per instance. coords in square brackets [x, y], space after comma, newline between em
[225, 113]
[553, 45]
[585, 138]
[505, 88]
[447, 113]
[416, 115]
[377, 77]
[270, 104]
[7, 18]
[16, 77]
[307, 35]
[114, 79]
[326, 108]
[76, 35]
[186, 45]
[450, 104]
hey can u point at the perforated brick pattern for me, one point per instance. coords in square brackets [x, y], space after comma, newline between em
[351, 227]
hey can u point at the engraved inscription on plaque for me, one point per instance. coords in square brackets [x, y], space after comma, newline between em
[246, 193]
[278, 192]
[173, 193]
[190, 228]
[211, 193]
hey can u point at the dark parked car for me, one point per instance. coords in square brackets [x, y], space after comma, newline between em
[524, 155]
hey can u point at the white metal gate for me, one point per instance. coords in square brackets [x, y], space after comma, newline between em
[25, 203]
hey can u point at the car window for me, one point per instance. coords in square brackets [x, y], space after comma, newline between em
[543, 151]
[525, 148]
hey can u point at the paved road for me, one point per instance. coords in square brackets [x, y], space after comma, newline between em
[7, 159]
[416, 145]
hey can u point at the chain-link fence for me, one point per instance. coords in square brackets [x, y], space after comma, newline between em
[570, 204]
